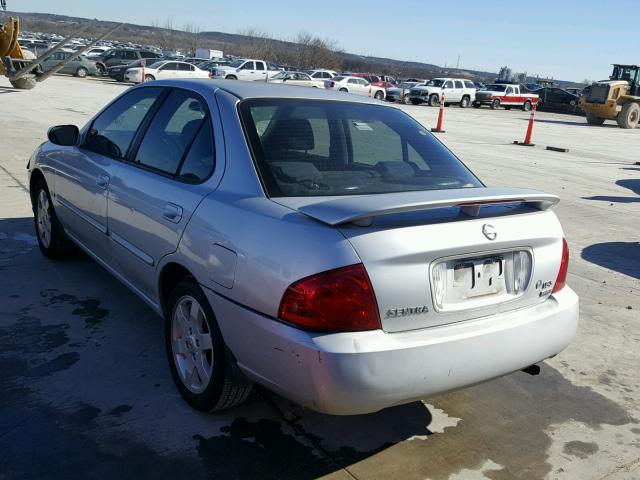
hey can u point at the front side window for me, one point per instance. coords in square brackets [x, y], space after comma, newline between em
[448, 84]
[112, 132]
[248, 66]
[172, 131]
[322, 148]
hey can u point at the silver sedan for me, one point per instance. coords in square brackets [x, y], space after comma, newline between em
[325, 246]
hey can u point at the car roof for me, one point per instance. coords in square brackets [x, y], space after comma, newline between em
[245, 90]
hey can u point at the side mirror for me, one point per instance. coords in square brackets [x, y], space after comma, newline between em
[65, 135]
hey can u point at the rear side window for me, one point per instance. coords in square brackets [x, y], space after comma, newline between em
[323, 148]
[200, 160]
[469, 84]
[172, 132]
[459, 84]
[112, 132]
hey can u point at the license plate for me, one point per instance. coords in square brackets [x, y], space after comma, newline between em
[477, 277]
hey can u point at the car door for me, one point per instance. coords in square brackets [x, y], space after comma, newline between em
[153, 196]
[185, 70]
[168, 71]
[84, 173]
[247, 71]
[261, 71]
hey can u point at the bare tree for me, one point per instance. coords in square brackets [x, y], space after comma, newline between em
[193, 37]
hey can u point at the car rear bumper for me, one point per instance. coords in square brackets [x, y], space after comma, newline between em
[362, 372]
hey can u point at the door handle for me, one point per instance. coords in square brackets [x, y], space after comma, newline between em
[102, 181]
[172, 212]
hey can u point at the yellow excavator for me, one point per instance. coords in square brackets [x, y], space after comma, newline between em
[22, 72]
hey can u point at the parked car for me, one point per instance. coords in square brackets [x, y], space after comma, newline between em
[479, 85]
[80, 66]
[164, 70]
[117, 72]
[454, 90]
[400, 93]
[211, 65]
[296, 78]
[96, 52]
[246, 69]
[322, 74]
[505, 95]
[325, 246]
[574, 91]
[355, 85]
[122, 56]
[557, 99]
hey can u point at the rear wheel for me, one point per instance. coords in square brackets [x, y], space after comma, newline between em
[629, 115]
[526, 106]
[52, 239]
[495, 104]
[434, 100]
[406, 100]
[82, 72]
[197, 354]
[149, 78]
[231, 77]
[594, 120]
[379, 95]
[343, 90]
[464, 103]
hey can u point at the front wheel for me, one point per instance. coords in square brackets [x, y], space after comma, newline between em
[434, 100]
[149, 78]
[82, 72]
[231, 77]
[197, 353]
[344, 90]
[495, 104]
[406, 100]
[52, 239]
[378, 95]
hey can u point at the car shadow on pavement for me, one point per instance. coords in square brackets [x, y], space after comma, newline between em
[573, 124]
[83, 370]
[623, 257]
[632, 184]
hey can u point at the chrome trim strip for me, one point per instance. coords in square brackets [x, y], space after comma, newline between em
[91, 221]
[132, 248]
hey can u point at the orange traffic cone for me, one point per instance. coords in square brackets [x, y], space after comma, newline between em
[439, 128]
[528, 135]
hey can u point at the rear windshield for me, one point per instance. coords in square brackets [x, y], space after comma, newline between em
[321, 148]
[496, 88]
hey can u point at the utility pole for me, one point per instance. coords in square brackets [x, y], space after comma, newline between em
[458, 63]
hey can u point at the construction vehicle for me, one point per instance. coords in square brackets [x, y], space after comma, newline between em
[615, 99]
[23, 72]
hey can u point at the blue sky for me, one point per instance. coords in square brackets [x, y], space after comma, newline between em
[565, 39]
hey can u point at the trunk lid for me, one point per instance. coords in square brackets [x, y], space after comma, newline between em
[440, 257]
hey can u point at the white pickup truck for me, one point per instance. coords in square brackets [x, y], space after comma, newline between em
[455, 90]
[505, 95]
[246, 69]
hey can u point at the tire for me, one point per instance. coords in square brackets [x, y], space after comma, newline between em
[594, 120]
[464, 103]
[221, 390]
[102, 69]
[52, 239]
[379, 95]
[231, 77]
[82, 72]
[149, 78]
[434, 100]
[526, 106]
[406, 100]
[415, 101]
[495, 105]
[344, 90]
[24, 83]
[629, 116]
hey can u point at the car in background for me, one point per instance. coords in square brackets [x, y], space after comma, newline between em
[554, 99]
[296, 78]
[80, 66]
[117, 72]
[384, 81]
[324, 246]
[453, 90]
[479, 85]
[355, 85]
[96, 52]
[507, 95]
[321, 74]
[165, 70]
[532, 86]
[574, 91]
[122, 56]
[400, 93]
[246, 69]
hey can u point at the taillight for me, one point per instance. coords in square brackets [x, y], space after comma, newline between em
[561, 280]
[337, 300]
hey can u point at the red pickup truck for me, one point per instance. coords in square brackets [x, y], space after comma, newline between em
[505, 95]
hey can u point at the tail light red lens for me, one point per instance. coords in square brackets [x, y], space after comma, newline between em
[340, 300]
[561, 280]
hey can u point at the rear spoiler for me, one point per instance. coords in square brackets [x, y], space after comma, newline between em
[360, 209]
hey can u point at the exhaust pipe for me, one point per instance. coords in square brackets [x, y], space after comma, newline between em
[532, 370]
